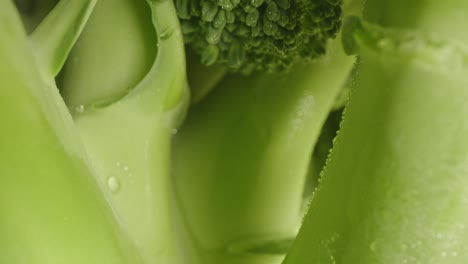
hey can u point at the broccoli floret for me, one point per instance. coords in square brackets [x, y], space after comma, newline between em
[249, 35]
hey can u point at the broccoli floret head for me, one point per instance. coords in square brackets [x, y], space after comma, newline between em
[249, 35]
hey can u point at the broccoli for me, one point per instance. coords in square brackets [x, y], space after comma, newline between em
[243, 151]
[127, 98]
[51, 209]
[258, 35]
[113, 128]
[253, 36]
[394, 188]
[115, 148]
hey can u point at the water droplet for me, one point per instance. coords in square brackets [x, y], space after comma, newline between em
[80, 109]
[125, 168]
[384, 43]
[373, 246]
[113, 184]
[443, 254]
[166, 33]
[174, 131]
[118, 164]
[404, 246]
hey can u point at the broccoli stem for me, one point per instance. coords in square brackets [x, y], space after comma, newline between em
[129, 138]
[394, 189]
[202, 79]
[51, 209]
[32, 12]
[320, 155]
[113, 54]
[240, 159]
[58, 32]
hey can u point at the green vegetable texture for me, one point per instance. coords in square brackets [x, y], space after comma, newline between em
[258, 34]
[394, 189]
[50, 204]
[203, 131]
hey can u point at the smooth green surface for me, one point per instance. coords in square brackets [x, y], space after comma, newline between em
[202, 79]
[442, 19]
[128, 139]
[51, 210]
[32, 12]
[240, 159]
[56, 34]
[118, 45]
[394, 190]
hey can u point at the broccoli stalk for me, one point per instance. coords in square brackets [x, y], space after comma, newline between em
[105, 64]
[105, 193]
[126, 122]
[394, 189]
[32, 12]
[241, 157]
[239, 173]
[202, 79]
[51, 209]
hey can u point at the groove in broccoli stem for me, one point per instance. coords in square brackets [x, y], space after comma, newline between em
[261, 245]
[26, 7]
[427, 51]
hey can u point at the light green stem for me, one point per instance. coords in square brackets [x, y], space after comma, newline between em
[32, 12]
[57, 33]
[240, 159]
[394, 190]
[129, 137]
[202, 79]
[114, 53]
[51, 209]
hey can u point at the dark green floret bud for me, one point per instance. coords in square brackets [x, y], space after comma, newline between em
[258, 35]
[252, 18]
[272, 12]
[256, 3]
[209, 11]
